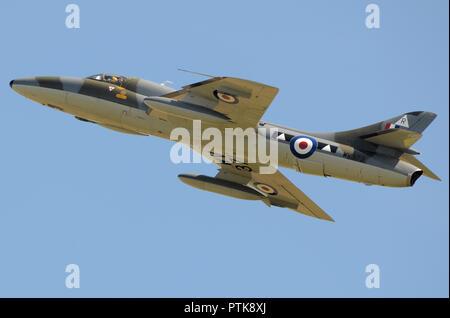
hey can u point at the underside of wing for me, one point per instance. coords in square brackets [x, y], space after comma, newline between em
[288, 195]
[242, 101]
[244, 181]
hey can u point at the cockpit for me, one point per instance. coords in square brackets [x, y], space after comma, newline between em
[109, 78]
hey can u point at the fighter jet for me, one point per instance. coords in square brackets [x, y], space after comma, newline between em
[378, 154]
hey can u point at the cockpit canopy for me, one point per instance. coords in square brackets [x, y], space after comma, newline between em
[109, 78]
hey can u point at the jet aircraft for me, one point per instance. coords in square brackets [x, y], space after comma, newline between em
[378, 154]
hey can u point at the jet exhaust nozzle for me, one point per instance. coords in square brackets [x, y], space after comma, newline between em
[416, 175]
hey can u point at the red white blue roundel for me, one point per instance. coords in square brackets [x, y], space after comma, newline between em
[265, 188]
[227, 98]
[302, 147]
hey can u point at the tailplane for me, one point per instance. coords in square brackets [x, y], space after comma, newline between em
[399, 132]
[393, 137]
[416, 162]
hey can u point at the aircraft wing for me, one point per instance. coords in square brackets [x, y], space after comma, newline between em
[242, 101]
[276, 188]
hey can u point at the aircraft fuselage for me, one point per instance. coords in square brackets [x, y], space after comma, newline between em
[120, 106]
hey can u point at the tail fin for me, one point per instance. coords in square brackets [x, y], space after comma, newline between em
[413, 121]
[399, 132]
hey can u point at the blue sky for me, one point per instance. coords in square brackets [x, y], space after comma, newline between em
[72, 192]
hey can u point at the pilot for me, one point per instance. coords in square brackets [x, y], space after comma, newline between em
[113, 79]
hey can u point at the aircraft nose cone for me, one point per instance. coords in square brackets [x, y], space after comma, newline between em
[23, 85]
[42, 89]
[29, 81]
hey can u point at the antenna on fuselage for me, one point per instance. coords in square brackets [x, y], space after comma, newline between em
[166, 82]
[197, 73]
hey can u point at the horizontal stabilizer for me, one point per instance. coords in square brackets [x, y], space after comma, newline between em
[399, 132]
[414, 161]
[394, 138]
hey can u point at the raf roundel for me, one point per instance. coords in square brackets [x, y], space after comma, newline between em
[265, 188]
[227, 98]
[302, 146]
